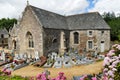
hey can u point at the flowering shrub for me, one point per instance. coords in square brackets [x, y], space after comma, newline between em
[60, 76]
[112, 64]
[6, 71]
[44, 76]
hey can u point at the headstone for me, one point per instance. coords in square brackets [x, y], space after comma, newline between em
[36, 55]
[49, 55]
[16, 56]
[12, 53]
[29, 56]
[78, 57]
[58, 63]
[21, 56]
[54, 55]
[3, 56]
[66, 62]
[25, 56]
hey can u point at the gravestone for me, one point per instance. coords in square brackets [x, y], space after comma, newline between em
[3, 56]
[21, 56]
[16, 56]
[36, 55]
[54, 55]
[48, 64]
[29, 56]
[66, 61]
[58, 63]
[12, 53]
[25, 56]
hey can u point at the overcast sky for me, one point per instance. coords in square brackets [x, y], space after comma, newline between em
[14, 8]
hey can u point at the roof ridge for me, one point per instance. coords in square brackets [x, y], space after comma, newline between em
[83, 14]
[64, 15]
[47, 10]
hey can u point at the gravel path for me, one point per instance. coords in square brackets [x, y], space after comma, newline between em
[69, 72]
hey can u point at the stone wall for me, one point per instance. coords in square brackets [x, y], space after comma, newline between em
[96, 37]
[53, 40]
[29, 23]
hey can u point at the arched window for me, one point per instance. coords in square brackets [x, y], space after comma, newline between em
[30, 40]
[2, 43]
[2, 35]
[54, 40]
[14, 44]
[76, 37]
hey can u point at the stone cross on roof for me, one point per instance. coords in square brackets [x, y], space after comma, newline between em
[27, 2]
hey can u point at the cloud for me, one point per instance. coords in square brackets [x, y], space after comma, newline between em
[62, 6]
[107, 6]
[13, 8]
[6, 10]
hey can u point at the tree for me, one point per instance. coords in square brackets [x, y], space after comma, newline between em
[114, 23]
[7, 23]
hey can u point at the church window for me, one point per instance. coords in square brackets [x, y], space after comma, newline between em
[54, 40]
[14, 44]
[90, 44]
[31, 43]
[76, 38]
[30, 40]
[2, 35]
[102, 32]
[2, 42]
[90, 33]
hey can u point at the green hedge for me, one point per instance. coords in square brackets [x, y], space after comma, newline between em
[13, 78]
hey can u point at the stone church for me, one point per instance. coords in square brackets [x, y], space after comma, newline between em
[44, 31]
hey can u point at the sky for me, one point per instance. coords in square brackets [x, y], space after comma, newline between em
[14, 8]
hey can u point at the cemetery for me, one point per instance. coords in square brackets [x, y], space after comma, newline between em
[58, 66]
[13, 61]
[69, 61]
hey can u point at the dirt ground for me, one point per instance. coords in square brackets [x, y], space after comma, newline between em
[69, 72]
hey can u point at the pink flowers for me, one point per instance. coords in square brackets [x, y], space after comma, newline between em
[111, 53]
[43, 76]
[111, 61]
[84, 77]
[38, 77]
[6, 71]
[94, 78]
[106, 61]
[61, 76]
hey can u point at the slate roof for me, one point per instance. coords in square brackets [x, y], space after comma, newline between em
[73, 22]
[4, 31]
[50, 19]
[87, 21]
